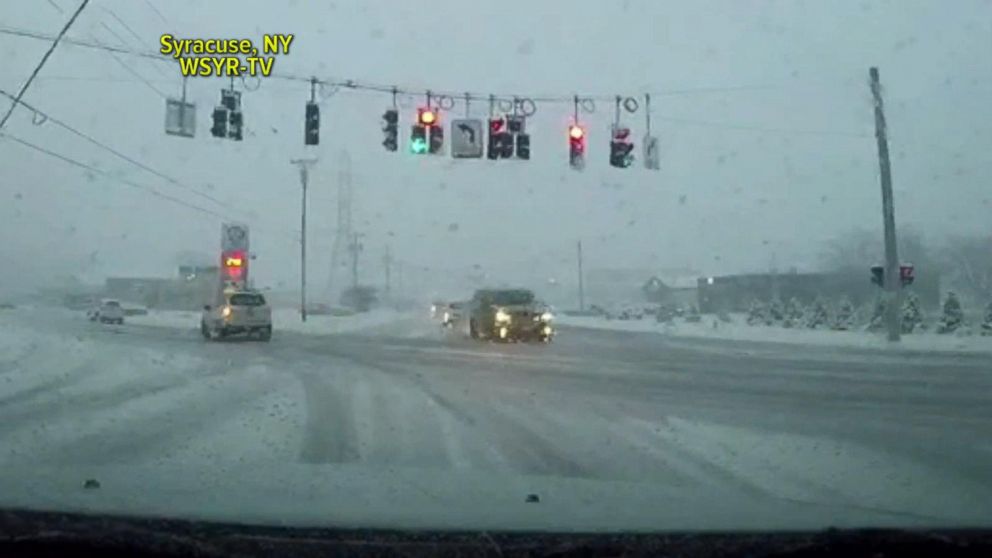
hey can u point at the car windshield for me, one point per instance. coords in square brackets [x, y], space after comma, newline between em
[247, 300]
[514, 265]
[512, 297]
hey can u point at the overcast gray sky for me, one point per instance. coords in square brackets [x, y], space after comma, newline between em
[766, 132]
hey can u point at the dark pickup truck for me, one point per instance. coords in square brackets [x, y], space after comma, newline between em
[509, 315]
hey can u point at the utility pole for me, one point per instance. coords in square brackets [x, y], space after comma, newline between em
[582, 297]
[892, 282]
[304, 165]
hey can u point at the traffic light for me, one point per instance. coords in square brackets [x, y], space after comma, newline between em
[577, 146]
[230, 99]
[515, 124]
[219, 129]
[237, 121]
[390, 128]
[312, 132]
[621, 148]
[506, 145]
[878, 275]
[426, 117]
[426, 135]
[907, 274]
[523, 146]
[436, 139]
[418, 139]
[495, 138]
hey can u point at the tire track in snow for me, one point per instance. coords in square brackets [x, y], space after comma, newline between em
[493, 429]
[330, 435]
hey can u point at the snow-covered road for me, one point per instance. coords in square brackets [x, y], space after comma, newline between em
[900, 438]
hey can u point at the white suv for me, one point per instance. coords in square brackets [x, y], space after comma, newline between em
[240, 312]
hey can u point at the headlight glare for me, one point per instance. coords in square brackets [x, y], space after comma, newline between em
[502, 316]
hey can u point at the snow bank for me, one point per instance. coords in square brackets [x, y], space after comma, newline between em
[738, 330]
[282, 320]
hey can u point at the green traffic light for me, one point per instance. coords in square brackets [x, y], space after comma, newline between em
[418, 146]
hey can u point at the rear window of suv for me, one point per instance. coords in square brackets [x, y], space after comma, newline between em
[247, 300]
[112, 304]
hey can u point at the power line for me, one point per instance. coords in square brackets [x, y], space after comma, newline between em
[122, 23]
[389, 89]
[44, 59]
[762, 129]
[56, 6]
[115, 152]
[26, 33]
[135, 73]
[158, 13]
[114, 33]
[148, 189]
[133, 33]
[359, 86]
[124, 181]
[96, 79]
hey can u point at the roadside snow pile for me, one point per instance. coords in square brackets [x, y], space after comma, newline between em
[282, 320]
[289, 320]
[738, 330]
[167, 318]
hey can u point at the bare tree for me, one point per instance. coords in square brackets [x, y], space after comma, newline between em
[967, 261]
[858, 249]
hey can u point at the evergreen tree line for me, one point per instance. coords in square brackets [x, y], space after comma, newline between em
[841, 315]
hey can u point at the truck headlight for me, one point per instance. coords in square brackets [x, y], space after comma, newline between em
[547, 317]
[226, 312]
[502, 316]
[446, 317]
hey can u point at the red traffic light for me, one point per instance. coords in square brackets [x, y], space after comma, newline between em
[426, 117]
[576, 132]
[495, 125]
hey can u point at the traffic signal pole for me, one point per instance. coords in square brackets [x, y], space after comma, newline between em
[304, 165]
[892, 274]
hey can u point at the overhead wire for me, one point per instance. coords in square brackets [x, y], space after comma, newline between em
[357, 85]
[41, 64]
[115, 152]
[133, 33]
[91, 168]
[154, 9]
[151, 190]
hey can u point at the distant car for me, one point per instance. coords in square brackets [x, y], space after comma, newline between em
[108, 312]
[240, 312]
[509, 315]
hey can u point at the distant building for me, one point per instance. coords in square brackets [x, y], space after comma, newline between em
[190, 290]
[619, 286]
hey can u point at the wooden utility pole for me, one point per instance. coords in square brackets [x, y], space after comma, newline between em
[304, 165]
[891, 278]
